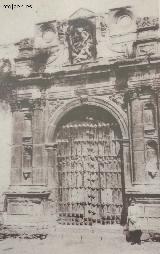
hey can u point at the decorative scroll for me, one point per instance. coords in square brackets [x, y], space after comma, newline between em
[147, 22]
[82, 41]
[89, 172]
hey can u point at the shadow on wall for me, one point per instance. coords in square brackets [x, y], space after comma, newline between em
[5, 149]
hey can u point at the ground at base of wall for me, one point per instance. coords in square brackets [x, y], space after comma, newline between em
[93, 243]
[80, 232]
[24, 232]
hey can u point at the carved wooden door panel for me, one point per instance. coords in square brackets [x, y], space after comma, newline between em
[89, 172]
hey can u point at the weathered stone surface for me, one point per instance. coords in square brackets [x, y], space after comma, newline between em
[85, 109]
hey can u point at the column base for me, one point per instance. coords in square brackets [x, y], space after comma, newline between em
[27, 206]
[147, 212]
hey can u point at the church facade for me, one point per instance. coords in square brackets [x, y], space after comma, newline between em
[85, 105]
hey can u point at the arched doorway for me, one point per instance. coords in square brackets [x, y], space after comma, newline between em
[89, 167]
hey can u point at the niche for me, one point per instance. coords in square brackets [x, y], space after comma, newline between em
[149, 117]
[152, 159]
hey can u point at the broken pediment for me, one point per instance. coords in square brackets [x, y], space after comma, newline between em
[82, 13]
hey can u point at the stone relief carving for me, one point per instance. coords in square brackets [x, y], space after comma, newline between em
[147, 76]
[103, 27]
[54, 104]
[123, 19]
[38, 103]
[112, 49]
[5, 66]
[27, 156]
[119, 21]
[84, 98]
[27, 147]
[51, 45]
[81, 41]
[49, 33]
[59, 54]
[46, 35]
[40, 59]
[151, 160]
[147, 22]
[25, 43]
[117, 98]
[62, 28]
[138, 91]
[147, 49]
[30, 104]
[25, 49]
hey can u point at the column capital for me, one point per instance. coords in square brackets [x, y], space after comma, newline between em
[27, 104]
[138, 91]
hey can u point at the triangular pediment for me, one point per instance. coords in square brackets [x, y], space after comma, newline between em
[82, 13]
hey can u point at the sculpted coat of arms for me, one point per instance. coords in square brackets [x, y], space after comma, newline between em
[82, 42]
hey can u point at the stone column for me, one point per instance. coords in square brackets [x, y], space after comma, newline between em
[52, 165]
[158, 123]
[16, 150]
[38, 130]
[52, 179]
[126, 163]
[137, 139]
